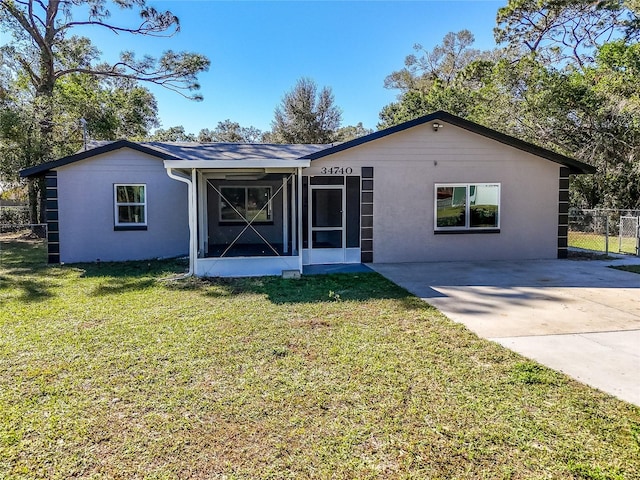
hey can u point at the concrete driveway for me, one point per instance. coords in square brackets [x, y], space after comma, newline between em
[579, 317]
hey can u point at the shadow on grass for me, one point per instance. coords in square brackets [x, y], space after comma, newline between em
[114, 286]
[22, 255]
[22, 263]
[143, 268]
[339, 287]
[31, 290]
[23, 267]
[122, 277]
[28, 259]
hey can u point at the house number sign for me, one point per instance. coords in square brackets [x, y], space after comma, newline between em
[331, 170]
[336, 171]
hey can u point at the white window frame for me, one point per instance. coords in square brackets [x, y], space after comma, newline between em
[117, 204]
[467, 215]
[246, 198]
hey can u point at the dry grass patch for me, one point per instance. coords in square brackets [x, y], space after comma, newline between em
[111, 372]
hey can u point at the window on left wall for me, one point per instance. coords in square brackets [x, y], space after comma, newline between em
[130, 206]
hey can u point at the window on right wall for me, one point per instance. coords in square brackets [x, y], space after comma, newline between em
[467, 207]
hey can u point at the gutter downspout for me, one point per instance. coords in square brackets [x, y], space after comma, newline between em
[192, 217]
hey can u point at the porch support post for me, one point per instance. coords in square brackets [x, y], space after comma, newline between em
[299, 218]
[193, 217]
[201, 189]
[285, 216]
[294, 225]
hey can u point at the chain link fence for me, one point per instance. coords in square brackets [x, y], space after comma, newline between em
[19, 237]
[607, 231]
[629, 234]
[14, 219]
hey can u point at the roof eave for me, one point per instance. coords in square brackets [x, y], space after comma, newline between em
[226, 164]
[575, 166]
[45, 167]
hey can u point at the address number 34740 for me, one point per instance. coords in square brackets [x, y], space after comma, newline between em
[336, 171]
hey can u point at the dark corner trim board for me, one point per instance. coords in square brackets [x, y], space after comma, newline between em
[575, 166]
[366, 215]
[466, 232]
[109, 147]
[563, 213]
[51, 216]
[126, 228]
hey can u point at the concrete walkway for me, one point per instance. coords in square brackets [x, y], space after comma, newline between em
[579, 317]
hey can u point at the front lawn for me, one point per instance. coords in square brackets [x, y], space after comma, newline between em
[110, 371]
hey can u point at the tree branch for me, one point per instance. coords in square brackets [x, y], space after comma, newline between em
[171, 80]
[23, 62]
[149, 30]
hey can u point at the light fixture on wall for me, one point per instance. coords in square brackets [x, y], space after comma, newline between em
[437, 126]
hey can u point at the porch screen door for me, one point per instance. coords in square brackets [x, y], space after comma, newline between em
[326, 224]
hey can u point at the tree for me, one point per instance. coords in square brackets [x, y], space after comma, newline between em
[441, 64]
[581, 94]
[410, 105]
[230, 132]
[112, 108]
[587, 107]
[350, 132]
[564, 30]
[19, 141]
[172, 134]
[44, 50]
[443, 78]
[306, 115]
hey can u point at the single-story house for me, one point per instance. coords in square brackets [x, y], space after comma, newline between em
[437, 188]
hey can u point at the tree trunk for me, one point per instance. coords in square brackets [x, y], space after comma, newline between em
[42, 189]
[33, 200]
[44, 112]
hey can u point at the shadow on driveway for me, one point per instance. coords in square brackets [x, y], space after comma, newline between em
[579, 317]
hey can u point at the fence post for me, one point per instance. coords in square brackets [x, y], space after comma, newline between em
[606, 235]
[620, 232]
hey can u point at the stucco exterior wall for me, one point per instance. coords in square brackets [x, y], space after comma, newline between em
[86, 210]
[408, 164]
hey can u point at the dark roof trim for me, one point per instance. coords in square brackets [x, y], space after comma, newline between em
[575, 166]
[109, 147]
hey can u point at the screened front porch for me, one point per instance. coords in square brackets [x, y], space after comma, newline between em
[248, 222]
[249, 215]
[244, 204]
[262, 217]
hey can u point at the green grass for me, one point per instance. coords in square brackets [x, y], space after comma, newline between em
[112, 372]
[596, 242]
[628, 268]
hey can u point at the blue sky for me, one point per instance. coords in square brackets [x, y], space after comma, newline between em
[259, 49]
